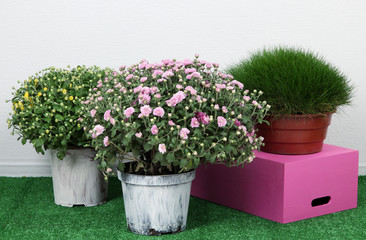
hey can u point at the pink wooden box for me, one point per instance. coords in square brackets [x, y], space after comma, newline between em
[284, 188]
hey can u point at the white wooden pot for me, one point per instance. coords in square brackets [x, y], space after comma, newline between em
[156, 205]
[76, 179]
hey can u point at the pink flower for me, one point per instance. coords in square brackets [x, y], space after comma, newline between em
[191, 90]
[107, 115]
[157, 72]
[154, 130]
[93, 112]
[138, 135]
[208, 65]
[237, 123]
[255, 103]
[217, 107]
[129, 77]
[145, 90]
[129, 111]
[144, 99]
[160, 80]
[99, 85]
[145, 110]
[196, 74]
[202, 117]
[153, 90]
[100, 98]
[177, 98]
[97, 130]
[187, 62]
[112, 121]
[221, 121]
[109, 170]
[162, 148]
[189, 70]
[137, 89]
[159, 112]
[168, 74]
[157, 96]
[184, 133]
[224, 109]
[143, 79]
[166, 61]
[106, 141]
[236, 83]
[246, 98]
[179, 86]
[171, 123]
[195, 123]
[142, 65]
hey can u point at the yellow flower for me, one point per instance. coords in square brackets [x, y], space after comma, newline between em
[47, 131]
[35, 81]
[64, 91]
[71, 98]
[22, 108]
[39, 94]
[70, 85]
[16, 105]
[45, 89]
[12, 107]
[26, 95]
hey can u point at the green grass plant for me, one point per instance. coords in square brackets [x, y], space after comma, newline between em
[294, 81]
[27, 212]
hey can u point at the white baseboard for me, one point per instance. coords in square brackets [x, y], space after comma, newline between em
[362, 170]
[25, 169]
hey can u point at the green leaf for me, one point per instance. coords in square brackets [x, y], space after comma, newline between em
[61, 154]
[59, 117]
[158, 157]
[114, 130]
[24, 140]
[183, 163]
[103, 164]
[170, 157]
[189, 165]
[125, 141]
[64, 142]
[136, 152]
[121, 167]
[148, 147]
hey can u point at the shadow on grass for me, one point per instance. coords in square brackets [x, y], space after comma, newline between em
[114, 188]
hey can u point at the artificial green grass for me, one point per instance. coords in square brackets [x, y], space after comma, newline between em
[27, 211]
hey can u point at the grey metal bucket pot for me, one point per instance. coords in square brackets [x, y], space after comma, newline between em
[156, 205]
[76, 179]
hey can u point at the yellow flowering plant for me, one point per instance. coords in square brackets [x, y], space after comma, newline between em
[47, 107]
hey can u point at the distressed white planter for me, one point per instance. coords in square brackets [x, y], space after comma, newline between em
[76, 179]
[156, 205]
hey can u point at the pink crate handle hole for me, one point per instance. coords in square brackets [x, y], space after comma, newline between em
[320, 201]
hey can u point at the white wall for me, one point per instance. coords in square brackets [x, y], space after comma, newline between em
[37, 34]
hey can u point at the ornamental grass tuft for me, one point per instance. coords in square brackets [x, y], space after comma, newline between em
[294, 81]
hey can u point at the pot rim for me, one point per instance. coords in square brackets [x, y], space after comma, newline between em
[278, 116]
[156, 180]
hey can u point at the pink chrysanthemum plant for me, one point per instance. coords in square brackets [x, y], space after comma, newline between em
[172, 116]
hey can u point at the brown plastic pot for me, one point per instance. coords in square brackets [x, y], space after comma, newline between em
[295, 134]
